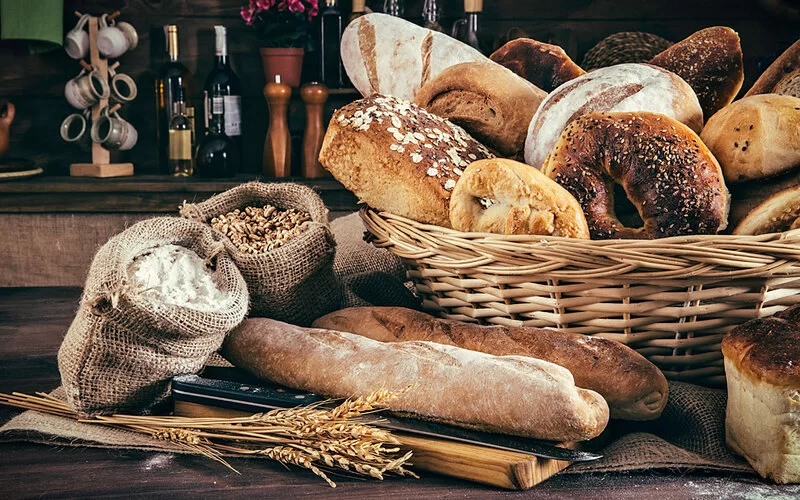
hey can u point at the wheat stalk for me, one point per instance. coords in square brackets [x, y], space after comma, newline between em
[310, 437]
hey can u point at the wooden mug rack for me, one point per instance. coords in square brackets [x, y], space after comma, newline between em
[101, 165]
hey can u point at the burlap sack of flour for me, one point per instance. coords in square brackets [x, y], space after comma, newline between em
[294, 283]
[126, 342]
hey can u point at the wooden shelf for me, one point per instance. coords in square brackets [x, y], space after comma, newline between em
[139, 194]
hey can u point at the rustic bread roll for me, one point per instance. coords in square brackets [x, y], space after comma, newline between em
[776, 214]
[755, 137]
[710, 61]
[395, 156]
[782, 66]
[624, 87]
[508, 197]
[493, 104]
[507, 394]
[789, 84]
[388, 55]
[668, 174]
[632, 386]
[762, 369]
[544, 65]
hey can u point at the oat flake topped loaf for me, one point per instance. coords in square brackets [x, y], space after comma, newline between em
[396, 156]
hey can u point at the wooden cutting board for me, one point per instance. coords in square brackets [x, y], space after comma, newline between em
[481, 464]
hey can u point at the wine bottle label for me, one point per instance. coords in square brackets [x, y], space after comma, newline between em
[217, 105]
[233, 115]
[180, 144]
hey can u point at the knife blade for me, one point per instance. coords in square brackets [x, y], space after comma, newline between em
[246, 396]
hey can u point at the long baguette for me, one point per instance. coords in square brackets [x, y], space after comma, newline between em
[633, 387]
[506, 394]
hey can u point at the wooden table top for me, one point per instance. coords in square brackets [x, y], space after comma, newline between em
[33, 322]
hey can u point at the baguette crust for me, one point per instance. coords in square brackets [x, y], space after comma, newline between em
[489, 101]
[783, 65]
[508, 394]
[780, 212]
[633, 387]
[544, 65]
[395, 156]
[710, 61]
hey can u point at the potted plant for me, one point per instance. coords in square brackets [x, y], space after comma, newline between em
[283, 26]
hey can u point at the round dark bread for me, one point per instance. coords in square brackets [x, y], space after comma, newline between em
[544, 65]
[668, 174]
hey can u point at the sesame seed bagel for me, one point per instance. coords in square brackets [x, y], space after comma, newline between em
[671, 178]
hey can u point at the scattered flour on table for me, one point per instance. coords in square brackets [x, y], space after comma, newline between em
[730, 489]
[157, 461]
[177, 276]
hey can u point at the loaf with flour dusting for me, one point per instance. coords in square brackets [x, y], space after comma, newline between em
[506, 394]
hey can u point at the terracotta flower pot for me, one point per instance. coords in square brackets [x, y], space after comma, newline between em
[288, 63]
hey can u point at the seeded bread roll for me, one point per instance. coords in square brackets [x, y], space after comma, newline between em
[780, 212]
[624, 87]
[711, 63]
[783, 65]
[489, 101]
[633, 387]
[762, 418]
[507, 197]
[756, 137]
[396, 156]
[544, 65]
[505, 394]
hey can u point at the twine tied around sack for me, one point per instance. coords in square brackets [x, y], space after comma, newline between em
[99, 304]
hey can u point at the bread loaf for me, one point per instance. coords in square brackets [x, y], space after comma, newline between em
[633, 387]
[789, 84]
[388, 55]
[755, 137]
[780, 212]
[624, 87]
[762, 418]
[506, 394]
[493, 104]
[782, 66]
[397, 157]
[544, 65]
[710, 61]
[507, 197]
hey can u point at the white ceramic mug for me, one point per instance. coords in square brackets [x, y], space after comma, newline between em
[123, 88]
[112, 132]
[112, 41]
[74, 126]
[86, 89]
[76, 43]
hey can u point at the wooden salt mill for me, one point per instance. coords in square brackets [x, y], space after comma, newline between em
[277, 160]
[314, 96]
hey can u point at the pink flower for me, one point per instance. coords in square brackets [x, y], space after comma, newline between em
[296, 6]
[248, 14]
[313, 9]
[265, 4]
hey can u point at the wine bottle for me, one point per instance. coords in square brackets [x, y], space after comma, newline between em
[357, 11]
[331, 69]
[395, 8]
[223, 84]
[468, 30]
[172, 76]
[432, 15]
[217, 154]
[180, 159]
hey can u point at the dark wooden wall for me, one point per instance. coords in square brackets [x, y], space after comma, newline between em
[35, 83]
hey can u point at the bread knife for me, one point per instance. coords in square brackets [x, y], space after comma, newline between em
[246, 396]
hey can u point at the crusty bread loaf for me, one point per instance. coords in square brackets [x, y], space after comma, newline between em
[755, 137]
[762, 369]
[624, 87]
[544, 65]
[780, 212]
[710, 61]
[782, 66]
[507, 197]
[667, 173]
[507, 394]
[388, 55]
[633, 387]
[493, 104]
[396, 156]
[789, 84]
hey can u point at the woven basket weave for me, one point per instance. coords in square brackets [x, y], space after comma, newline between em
[671, 299]
[624, 47]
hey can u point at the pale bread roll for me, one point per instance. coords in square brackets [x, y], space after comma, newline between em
[387, 55]
[755, 137]
[506, 394]
[624, 87]
[780, 212]
[507, 197]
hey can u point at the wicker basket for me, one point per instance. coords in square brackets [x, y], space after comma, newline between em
[671, 299]
[624, 47]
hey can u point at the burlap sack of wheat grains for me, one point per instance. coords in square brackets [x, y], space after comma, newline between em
[294, 283]
[125, 344]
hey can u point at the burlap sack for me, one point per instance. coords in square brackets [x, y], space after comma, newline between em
[294, 283]
[124, 346]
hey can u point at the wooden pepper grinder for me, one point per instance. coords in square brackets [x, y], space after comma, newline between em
[314, 96]
[278, 143]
